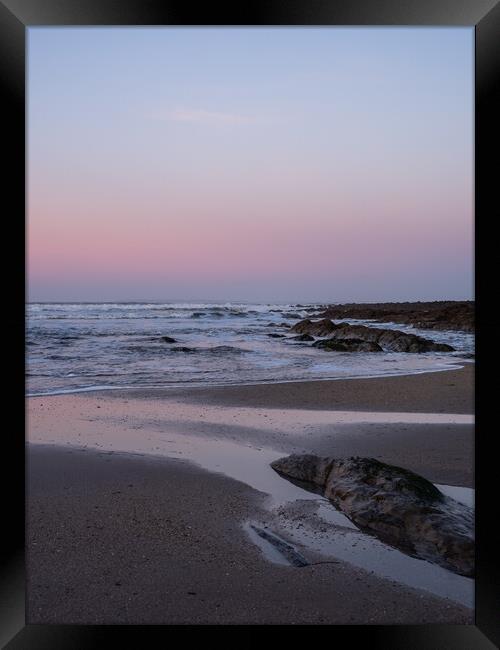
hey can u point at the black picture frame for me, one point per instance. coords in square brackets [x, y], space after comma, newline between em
[484, 15]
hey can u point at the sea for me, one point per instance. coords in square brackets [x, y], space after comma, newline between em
[72, 347]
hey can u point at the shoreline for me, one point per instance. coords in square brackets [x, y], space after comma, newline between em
[389, 419]
[370, 394]
[194, 385]
[214, 391]
[202, 458]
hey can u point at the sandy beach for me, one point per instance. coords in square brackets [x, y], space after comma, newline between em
[138, 502]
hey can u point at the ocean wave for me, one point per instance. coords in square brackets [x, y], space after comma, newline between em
[65, 340]
[220, 314]
[107, 317]
[144, 349]
[218, 349]
[143, 312]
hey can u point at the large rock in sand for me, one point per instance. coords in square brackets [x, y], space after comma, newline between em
[400, 507]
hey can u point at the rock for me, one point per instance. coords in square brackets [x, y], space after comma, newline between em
[314, 328]
[168, 339]
[391, 340]
[182, 349]
[439, 315]
[398, 506]
[348, 345]
[276, 336]
[387, 340]
[301, 337]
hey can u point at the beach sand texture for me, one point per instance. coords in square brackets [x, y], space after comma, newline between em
[137, 501]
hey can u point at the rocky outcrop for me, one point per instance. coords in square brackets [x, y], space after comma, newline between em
[347, 345]
[398, 506]
[439, 315]
[387, 340]
[276, 336]
[314, 328]
[390, 340]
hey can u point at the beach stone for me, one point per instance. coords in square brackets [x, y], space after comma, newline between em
[388, 340]
[302, 337]
[396, 505]
[350, 345]
[314, 328]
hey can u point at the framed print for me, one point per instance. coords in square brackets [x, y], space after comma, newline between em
[252, 250]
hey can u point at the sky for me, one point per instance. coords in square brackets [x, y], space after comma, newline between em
[250, 164]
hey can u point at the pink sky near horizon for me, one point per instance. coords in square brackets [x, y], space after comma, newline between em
[207, 240]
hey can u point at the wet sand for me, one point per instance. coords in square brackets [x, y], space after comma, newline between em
[449, 391]
[115, 537]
